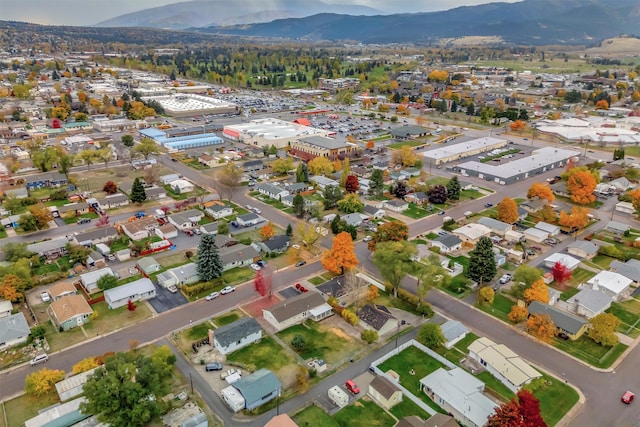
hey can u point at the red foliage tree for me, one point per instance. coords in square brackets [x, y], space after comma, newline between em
[506, 415]
[561, 273]
[262, 281]
[352, 184]
[529, 407]
[103, 220]
[131, 306]
[110, 187]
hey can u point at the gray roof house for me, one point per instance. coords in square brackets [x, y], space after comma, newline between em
[297, 309]
[567, 323]
[278, 244]
[629, 269]
[139, 290]
[249, 219]
[99, 235]
[273, 191]
[453, 331]
[373, 212]
[14, 330]
[238, 256]
[497, 227]
[396, 205]
[217, 211]
[589, 302]
[148, 265]
[354, 219]
[181, 275]
[258, 388]
[461, 394]
[186, 219]
[50, 248]
[234, 336]
[5, 308]
[583, 249]
[90, 280]
[617, 227]
[447, 243]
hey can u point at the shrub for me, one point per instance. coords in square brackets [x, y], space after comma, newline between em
[299, 343]
[350, 316]
[191, 290]
[369, 336]
[58, 195]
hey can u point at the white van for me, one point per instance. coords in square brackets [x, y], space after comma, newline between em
[41, 358]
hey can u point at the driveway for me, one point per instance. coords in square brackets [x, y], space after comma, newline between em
[165, 300]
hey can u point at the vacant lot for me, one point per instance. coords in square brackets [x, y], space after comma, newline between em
[327, 343]
[265, 354]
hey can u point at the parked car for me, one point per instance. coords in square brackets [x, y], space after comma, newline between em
[45, 296]
[352, 387]
[261, 263]
[257, 211]
[254, 266]
[249, 207]
[300, 263]
[189, 232]
[295, 246]
[627, 397]
[488, 205]
[212, 296]
[505, 278]
[214, 366]
[227, 290]
[197, 231]
[84, 221]
[367, 238]
[234, 223]
[41, 358]
[441, 213]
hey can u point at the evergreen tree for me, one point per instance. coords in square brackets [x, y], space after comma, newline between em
[336, 226]
[453, 188]
[289, 231]
[302, 174]
[482, 264]
[298, 205]
[138, 195]
[209, 264]
[471, 109]
[376, 183]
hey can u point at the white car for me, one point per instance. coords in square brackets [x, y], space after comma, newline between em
[295, 246]
[212, 296]
[367, 238]
[505, 278]
[258, 211]
[45, 296]
[249, 207]
[227, 290]
[256, 267]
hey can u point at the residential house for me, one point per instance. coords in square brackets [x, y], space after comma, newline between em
[471, 233]
[276, 244]
[272, 190]
[583, 249]
[50, 249]
[181, 275]
[613, 284]
[73, 209]
[552, 230]
[509, 368]
[225, 241]
[148, 265]
[155, 193]
[567, 260]
[186, 220]
[589, 303]
[67, 414]
[17, 193]
[621, 184]
[217, 211]
[354, 219]
[419, 198]
[308, 305]
[253, 390]
[617, 227]
[182, 186]
[5, 308]
[499, 258]
[11, 221]
[62, 289]
[535, 235]
[139, 229]
[373, 212]
[207, 160]
[453, 331]
[89, 281]
[386, 393]
[625, 207]
[253, 165]
[168, 179]
[629, 269]
[114, 201]
[69, 312]
[378, 318]
[296, 187]
[567, 323]
[282, 420]
[497, 227]
[236, 335]
[560, 189]
[210, 228]
[95, 259]
[139, 290]
[460, 394]
[437, 420]
[166, 231]
[533, 206]
[447, 243]
[323, 182]
[73, 386]
[96, 236]
[238, 256]
[395, 205]
[336, 288]
[45, 180]
[522, 213]
[249, 219]
[14, 330]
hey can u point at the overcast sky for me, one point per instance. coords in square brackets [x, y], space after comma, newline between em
[90, 12]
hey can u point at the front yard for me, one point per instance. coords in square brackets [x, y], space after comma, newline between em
[584, 348]
[362, 413]
[328, 343]
[265, 354]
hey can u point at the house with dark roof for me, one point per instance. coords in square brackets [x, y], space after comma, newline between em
[409, 132]
[567, 323]
[98, 235]
[45, 180]
[447, 243]
[249, 219]
[373, 212]
[396, 205]
[114, 201]
[236, 335]
[186, 219]
[533, 206]
[217, 211]
[308, 305]
[253, 165]
[73, 209]
[338, 288]
[50, 249]
[418, 198]
[386, 393]
[238, 256]
[95, 259]
[155, 193]
[378, 318]
[277, 244]
[14, 330]
[224, 241]
[583, 249]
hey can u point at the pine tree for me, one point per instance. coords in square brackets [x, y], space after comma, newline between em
[482, 264]
[289, 231]
[209, 264]
[453, 188]
[138, 195]
[376, 184]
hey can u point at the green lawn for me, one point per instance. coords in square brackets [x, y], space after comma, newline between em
[411, 358]
[416, 212]
[495, 385]
[500, 308]
[629, 314]
[227, 318]
[363, 413]
[470, 194]
[413, 143]
[580, 275]
[556, 399]
[237, 275]
[198, 332]
[321, 342]
[602, 261]
[568, 293]
[407, 408]
[313, 416]
[464, 343]
[25, 407]
[317, 280]
[586, 349]
[265, 354]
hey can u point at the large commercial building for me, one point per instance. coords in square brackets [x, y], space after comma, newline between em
[261, 132]
[453, 152]
[183, 141]
[540, 160]
[185, 105]
[320, 146]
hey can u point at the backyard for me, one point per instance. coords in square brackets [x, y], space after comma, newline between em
[362, 413]
[265, 354]
[328, 343]
[629, 314]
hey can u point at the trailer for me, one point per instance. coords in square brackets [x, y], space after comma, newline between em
[338, 396]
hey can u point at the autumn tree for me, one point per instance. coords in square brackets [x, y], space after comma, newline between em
[581, 185]
[603, 329]
[518, 313]
[307, 233]
[282, 166]
[43, 381]
[505, 415]
[350, 204]
[372, 294]
[9, 287]
[540, 190]
[529, 408]
[227, 180]
[404, 156]
[351, 184]
[268, 231]
[262, 282]
[507, 210]
[320, 166]
[392, 231]
[542, 327]
[110, 187]
[602, 105]
[561, 273]
[518, 126]
[577, 219]
[42, 214]
[486, 294]
[85, 365]
[342, 256]
[635, 199]
[538, 291]
[438, 194]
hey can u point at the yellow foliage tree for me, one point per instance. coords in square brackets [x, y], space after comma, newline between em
[538, 291]
[542, 327]
[85, 365]
[581, 185]
[635, 199]
[320, 166]
[342, 256]
[518, 125]
[576, 219]
[439, 76]
[540, 191]
[372, 293]
[518, 313]
[507, 210]
[404, 156]
[9, 287]
[486, 294]
[41, 382]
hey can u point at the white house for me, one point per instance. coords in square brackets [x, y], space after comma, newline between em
[613, 284]
[396, 205]
[309, 305]
[453, 331]
[182, 186]
[249, 219]
[447, 243]
[536, 235]
[552, 230]
[186, 219]
[217, 211]
[589, 302]
[181, 275]
[497, 227]
[385, 392]
[5, 308]
[472, 232]
[509, 368]
[89, 281]
[583, 249]
[323, 182]
[568, 261]
[234, 336]
[373, 212]
[625, 207]
[273, 191]
[139, 290]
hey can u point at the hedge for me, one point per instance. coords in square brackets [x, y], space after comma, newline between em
[199, 287]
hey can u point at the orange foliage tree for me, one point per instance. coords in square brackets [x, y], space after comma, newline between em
[540, 191]
[85, 365]
[576, 219]
[41, 382]
[372, 293]
[342, 256]
[542, 327]
[538, 291]
[518, 125]
[508, 210]
[9, 287]
[635, 199]
[518, 313]
[370, 144]
[602, 105]
[581, 185]
[267, 231]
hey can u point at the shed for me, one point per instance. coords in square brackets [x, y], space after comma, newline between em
[72, 386]
[453, 331]
[386, 393]
[148, 265]
[90, 280]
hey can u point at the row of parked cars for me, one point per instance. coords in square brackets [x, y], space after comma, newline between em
[224, 291]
